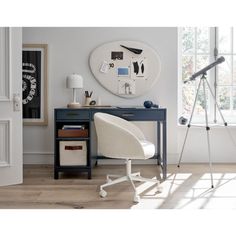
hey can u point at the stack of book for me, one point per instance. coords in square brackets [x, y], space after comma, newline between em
[73, 131]
[73, 127]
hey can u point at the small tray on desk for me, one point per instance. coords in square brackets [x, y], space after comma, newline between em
[129, 107]
[72, 133]
[95, 106]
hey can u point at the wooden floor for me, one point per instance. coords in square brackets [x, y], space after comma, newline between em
[185, 188]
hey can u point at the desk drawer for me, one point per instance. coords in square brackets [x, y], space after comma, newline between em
[72, 115]
[137, 114]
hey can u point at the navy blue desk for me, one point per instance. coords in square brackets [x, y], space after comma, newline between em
[82, 115]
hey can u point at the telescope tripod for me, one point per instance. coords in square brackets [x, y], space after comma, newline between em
[204, 83]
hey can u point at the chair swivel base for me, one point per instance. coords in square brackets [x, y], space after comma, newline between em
[129, 177]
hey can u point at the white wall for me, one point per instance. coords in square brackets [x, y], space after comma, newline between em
[69, 50]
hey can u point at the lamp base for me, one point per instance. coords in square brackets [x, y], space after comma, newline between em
[74, 105]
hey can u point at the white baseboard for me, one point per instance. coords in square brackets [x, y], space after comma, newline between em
[121, 162]
[172, 158]
[48, 158]
[38, 158]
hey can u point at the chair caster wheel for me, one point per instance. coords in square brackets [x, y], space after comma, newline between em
[159, 189]
[109, 180]
[103, 193]
[136, 198]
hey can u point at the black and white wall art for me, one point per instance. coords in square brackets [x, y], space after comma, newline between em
[34, 84]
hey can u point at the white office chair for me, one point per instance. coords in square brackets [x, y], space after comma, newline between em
[118, 138]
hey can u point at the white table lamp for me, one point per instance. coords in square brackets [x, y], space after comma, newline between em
[74, 81]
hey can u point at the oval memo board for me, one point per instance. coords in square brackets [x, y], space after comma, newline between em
[125, 68]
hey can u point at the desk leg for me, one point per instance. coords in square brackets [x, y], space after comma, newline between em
[164, 138]
[89, 174]
[56, 175]
[158, 144]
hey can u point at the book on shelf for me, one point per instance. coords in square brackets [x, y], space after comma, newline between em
[73, 127]
[73, 133]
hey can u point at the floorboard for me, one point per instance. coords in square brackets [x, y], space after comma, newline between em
[187, 187]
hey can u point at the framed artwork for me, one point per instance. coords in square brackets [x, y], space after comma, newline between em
[34, 84]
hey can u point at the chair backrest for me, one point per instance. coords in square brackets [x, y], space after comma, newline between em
[118, 138]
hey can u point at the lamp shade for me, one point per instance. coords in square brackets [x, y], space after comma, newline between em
[74, 81]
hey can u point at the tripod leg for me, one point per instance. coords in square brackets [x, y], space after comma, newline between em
[221, 115]
[189, 124]
[207, 129]
[181, 154]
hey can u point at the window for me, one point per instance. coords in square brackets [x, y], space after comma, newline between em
[198, 47]
[226, 72]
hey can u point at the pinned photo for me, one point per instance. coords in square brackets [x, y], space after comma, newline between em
[123, 71]
[104, 67]
[139, 68]
[126, 87]
[117, 55]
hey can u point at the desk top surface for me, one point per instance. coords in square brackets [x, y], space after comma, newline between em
[128, 113]
[111, 107]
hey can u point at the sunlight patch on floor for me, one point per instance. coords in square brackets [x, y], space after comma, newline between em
[216, 176]
[178, 176]
[148, 204]
[190, 191]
